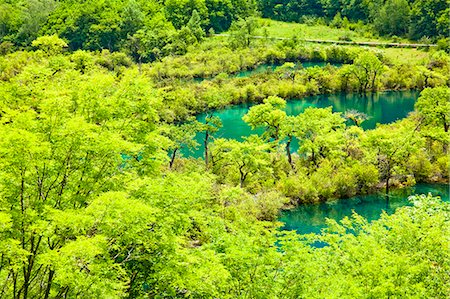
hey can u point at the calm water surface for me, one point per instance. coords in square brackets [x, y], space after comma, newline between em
[271, 67]
[311, 218]
[262, 68]
[383, 107]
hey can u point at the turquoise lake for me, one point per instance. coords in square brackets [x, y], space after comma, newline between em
[271, 67]
[262, 68]
[382, 107]
[311, 218]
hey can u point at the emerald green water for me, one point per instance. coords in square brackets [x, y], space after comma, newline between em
[383, 107]
[271, 67]
[311, 218]
[262, 68]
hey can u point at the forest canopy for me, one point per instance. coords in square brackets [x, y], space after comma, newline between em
[151, 29]
[116, 180]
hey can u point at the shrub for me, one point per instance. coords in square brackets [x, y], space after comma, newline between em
[50, 44]
[346, 37]
[444, 44]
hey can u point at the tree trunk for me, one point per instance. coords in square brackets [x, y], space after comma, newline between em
[140, 64]
[373, 81]
[388, 176]
[277, 133]
[446, 127]
[205, 142]
[173, 157]
[130, 287]
[15, 293]
[288, 152]
[313, 158]
[387, 187]
[242, 177]
[49, 283]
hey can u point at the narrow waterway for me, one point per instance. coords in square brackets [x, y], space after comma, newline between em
[382, 108]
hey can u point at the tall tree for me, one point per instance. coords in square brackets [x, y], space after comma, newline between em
[34, 15]
[392, 145]
[51, 45]
[320, 133]
[242, 32]
[245, 159]
[393, 18]
[367, 68]
[290, 128]
[356, 117]
[269, 116]
[211, 125]
[433, 106]
[180, 11]
[49, 164]
[181, 136]
[426, 16]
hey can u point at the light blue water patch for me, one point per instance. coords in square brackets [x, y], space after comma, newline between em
[311, 218]
[382, 107]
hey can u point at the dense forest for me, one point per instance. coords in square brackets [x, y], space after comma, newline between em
[103, 105]
[151, 29]
[414, 18]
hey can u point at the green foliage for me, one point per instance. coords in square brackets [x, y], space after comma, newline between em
[389, 23]
[242, 31]
[179, 12]
[180, 137]
[415, 18]
[97, 202]
[210, 127]
[269, 116]
[241, 160]
[356, 117]
[320, 133]
[433, 106]
[367, 68]
[429, 18]
[391, 147]
[51, 45]
[119, 25]
[379, 254]
[32, 16]
[151, 30]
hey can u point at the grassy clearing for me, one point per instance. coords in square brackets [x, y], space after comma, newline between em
[395, 55]
[412, 56]
[303, 31]
[273, 28]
